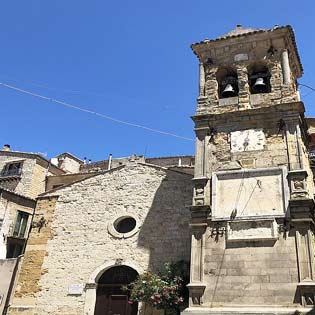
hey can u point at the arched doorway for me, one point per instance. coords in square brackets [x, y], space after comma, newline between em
[110, 298]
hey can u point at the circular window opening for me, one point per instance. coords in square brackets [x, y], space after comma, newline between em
[125, 225]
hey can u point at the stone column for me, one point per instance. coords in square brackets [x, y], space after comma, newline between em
[202, 80]
[285, 67]
[90, 298]
[304, 252]
[196, 286]
[200, 153]
[243, 94]
[201, 182]
[293, 150]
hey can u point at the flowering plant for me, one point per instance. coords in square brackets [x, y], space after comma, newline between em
[164, 290]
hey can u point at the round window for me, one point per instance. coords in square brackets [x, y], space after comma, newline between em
[125, 225]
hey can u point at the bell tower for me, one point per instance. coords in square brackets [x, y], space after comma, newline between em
[252, 213]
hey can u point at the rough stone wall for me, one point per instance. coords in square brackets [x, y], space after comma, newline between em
[32, 267]
[244, 273]
[38, 181]
[279, 93]
[219, 152]
[75, 241]
[24, 184]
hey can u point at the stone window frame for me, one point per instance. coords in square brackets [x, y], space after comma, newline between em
[111, 225]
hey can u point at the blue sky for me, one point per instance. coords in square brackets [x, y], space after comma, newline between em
[127, 59]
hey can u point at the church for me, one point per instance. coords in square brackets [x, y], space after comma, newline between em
[241, 210]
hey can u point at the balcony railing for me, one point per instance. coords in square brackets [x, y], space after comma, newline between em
[12, 172]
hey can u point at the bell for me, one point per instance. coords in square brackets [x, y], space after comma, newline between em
[228, 91]
[259, 86]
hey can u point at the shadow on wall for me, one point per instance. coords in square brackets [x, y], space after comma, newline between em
[165, 230]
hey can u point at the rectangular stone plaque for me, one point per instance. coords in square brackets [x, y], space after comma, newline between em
[75, 289]
[254, 230]
[249, 193]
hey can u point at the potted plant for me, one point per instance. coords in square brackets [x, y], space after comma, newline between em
[163, 290]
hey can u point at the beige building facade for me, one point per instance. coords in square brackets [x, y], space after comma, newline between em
[80, 240]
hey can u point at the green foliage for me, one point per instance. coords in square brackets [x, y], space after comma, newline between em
[163, 290]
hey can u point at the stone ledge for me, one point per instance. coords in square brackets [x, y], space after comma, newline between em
[259, 310]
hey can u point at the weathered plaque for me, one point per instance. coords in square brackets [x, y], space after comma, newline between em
[75, 289]
[252, 230]
[249, 193]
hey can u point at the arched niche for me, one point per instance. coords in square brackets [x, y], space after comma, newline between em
[259, 78]
[227, 82]
[97, 278]
[110, 296]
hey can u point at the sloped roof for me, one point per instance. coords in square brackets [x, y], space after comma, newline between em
[40, 159]
[240, 30]
[49, 192]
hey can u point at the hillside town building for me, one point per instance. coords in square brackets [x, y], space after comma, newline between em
[241, 210]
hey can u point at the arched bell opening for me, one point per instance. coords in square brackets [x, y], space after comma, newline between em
[259, 78]
[111, 299]
[227, 82]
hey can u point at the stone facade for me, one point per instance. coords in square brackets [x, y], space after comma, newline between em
[30, 179]
[75, 244]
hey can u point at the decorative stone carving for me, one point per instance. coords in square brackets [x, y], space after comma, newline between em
[200, 194]
[297, 182]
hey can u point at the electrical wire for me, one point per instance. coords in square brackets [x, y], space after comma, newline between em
[69, 105]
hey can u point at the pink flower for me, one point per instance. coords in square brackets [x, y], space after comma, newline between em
[130, 302]
[152, 297]
[157, 296]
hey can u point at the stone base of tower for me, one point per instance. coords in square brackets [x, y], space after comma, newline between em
[244, 310]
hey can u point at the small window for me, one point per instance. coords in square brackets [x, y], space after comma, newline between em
[125, 225]
[20, 224]
[12, 169]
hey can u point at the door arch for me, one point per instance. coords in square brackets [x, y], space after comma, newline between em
[110, 298]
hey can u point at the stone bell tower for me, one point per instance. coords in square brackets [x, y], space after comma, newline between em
[252, 214]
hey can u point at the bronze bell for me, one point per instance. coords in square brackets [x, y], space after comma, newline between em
[259, 85]
[228, 90]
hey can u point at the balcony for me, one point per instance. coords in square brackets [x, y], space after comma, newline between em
[14, 172]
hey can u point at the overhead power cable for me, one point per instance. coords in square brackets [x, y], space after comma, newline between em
[43, 97]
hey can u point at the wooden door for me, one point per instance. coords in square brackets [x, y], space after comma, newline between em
[110, 298]
[118, 305]
[113, 301]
